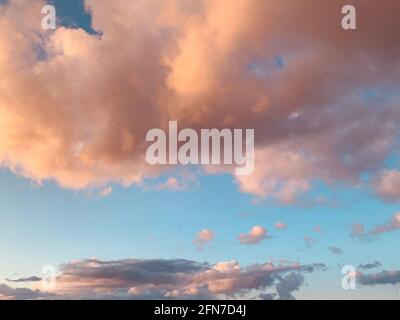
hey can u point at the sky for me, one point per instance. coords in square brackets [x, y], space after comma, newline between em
[77, 194]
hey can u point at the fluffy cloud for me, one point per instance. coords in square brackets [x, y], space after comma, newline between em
[170, 279]
[75, 107]
[255, 235]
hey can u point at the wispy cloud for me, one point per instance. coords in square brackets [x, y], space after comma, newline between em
[373, 265]
[29, 279]
[203, 238]
[359, 230]
[309, 242]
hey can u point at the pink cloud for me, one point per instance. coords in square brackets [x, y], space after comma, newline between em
[318, 229]
[205, 64]
[256, 235]
[203, 238]
[280, 225]
[388, 185]
[171, 184]
[106, 192]
[393, 224]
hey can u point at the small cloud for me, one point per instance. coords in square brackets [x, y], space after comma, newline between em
[372, 265]
[256, 235]
[280, 225]
[318, 229]
[203, 238]
[21, 280]
[309, 242]
[184, 182]
[357, 230]
[171, 184]
[336, 250]
[106, 192]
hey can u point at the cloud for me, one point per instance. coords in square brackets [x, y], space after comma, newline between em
[106, 192]
[372, 265]
[387, 185]
[309, 242]
[318, 229]
[336, 250]
[185, 181]
[203, 238]
[174, 279]
[280, 225]
[205, 64]
[380, 278]
[171, 184]
[8, 293]
[287, 285]
[393, 224]
[29, 279]
[256, 235]
[357, 230]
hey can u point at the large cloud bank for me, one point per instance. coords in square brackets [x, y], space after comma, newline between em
[167, 279]
[75, 107]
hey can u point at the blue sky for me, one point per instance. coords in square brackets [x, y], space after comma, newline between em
[72, 225]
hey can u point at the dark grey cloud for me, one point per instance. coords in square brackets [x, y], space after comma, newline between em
[267, 296]
[287, 285]
[384, 277]
[132, 272]
[7, 292]
[372, 265]
[170, 279]
[28, 279]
